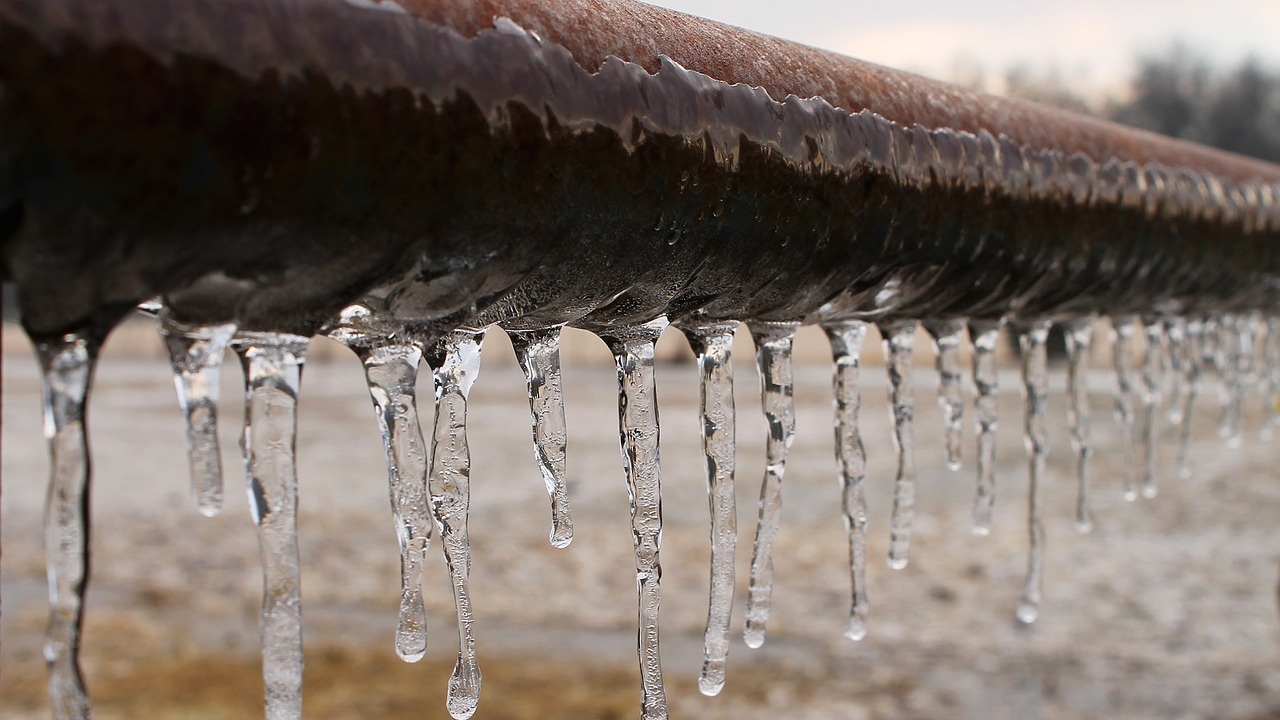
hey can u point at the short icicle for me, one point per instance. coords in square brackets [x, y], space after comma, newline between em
[456, 362]
[948, 336]
[273, 375]
[195, 354]
[1031, 340]
[846, 348]
[1194, 358]
[1078, 333]
[773, 342]
[1229, 357]
[67, 365]
[899, 340]
[391, 359]
[632, 349]
[1124, 329]
[539, 355]
[986, 335]
[712, 342]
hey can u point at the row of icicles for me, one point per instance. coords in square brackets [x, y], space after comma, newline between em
[429, 484]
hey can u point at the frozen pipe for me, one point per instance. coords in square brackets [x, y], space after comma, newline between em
[267, 162]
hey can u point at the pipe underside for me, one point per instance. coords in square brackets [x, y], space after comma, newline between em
[259, 162]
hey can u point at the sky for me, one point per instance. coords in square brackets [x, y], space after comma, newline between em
[1092, 44]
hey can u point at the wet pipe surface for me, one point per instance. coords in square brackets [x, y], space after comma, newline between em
[403, 201]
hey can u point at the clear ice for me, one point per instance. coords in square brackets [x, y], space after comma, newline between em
[539, 355]
[1194, 358]
[1078, 334]
[947, 337]
[712, 342]
[1153, 328]
[273, 375]
[1124, 330]
[846, 347]
[899, 340]
[67, 365]
[195, 354]
[391, 362]
[773, 362]
[456, 362]
[632, 349]
[986, 335]
[1271, 379]
[1031, 340]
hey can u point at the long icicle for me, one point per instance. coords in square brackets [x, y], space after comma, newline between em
[986, 335]
[632, 350]
[1079, 336]
[899, 341]
[391, 371]
[195, 354]
[273, 375]
[456, 362]
[67, 365]
[1175, 334]
[712, 342]
[773, 362]
[846, 348]
[1124, 328]
[1153, 328]
[947, 337]
[1271, 377]
[1031, 340]
[539, 355]
[1194, 367]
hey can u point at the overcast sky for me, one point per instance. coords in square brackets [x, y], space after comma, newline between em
[1092, 43]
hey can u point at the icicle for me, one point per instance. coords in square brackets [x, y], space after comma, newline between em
[539, 355]
[638, 430]
[391, 370]
[846, 347]
[713, 344]
[1151, 365]
[1079, 336]
[1031, 339]
[1228, 358]
[456, 361]
[67, 365]
[773, 361]
[1123, 330]
[1193, 364]
[899, 340]
[1245, 373]
[392, 373]
[947, 338]
[195, 354]
[986, 335]
[1271, 374]
[273, 375]
[1175, 333]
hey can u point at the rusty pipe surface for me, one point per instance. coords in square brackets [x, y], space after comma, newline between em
[598, 162]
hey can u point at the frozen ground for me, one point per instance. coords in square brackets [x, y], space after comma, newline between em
[1168, 610]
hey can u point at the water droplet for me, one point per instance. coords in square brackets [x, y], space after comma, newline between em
[899, 341]
[273, 375]
[846, 347]
[67, 365]
[712, 342]
[986, 335]
[773, 342]
[539, 355]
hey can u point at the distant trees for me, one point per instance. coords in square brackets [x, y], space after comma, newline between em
[1179, 93]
